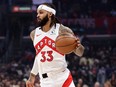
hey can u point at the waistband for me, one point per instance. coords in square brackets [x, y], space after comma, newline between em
[51, 74]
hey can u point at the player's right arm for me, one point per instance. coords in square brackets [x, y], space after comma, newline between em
[30, 81]
[34, 71]
[32, 34]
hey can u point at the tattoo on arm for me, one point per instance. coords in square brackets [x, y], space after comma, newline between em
[64, 29]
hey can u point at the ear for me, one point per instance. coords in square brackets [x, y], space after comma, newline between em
[50, 14]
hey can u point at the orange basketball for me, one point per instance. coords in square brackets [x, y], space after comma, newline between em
[65, 43]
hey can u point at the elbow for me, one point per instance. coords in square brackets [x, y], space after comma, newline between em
[79, 51]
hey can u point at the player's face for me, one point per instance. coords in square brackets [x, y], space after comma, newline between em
[42, 17]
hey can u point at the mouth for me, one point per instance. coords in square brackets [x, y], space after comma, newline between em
[38, 19]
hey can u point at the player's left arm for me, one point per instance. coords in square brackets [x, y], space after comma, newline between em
[79, 50]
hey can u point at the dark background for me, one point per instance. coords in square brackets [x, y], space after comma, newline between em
[93, 21]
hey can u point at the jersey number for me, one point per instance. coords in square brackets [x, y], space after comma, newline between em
[49, 54]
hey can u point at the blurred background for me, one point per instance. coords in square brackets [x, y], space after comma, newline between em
[93, 21]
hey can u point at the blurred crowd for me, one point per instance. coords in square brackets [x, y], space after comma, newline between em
[92, 17]
[95, 17]
[90, 8]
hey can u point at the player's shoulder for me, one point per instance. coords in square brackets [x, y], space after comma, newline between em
[32, 34]
[34, 30]
[65, 29]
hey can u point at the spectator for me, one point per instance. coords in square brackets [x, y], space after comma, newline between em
[101, 75]
[97, 84]
[107, 84]
[80, 82]
[113, 79]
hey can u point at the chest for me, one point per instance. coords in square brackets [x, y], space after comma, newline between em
[46, 39]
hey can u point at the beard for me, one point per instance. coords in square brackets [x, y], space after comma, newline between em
[43, 21]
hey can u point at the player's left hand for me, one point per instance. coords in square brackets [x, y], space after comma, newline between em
[78, 42]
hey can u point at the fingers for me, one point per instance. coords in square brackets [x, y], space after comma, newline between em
[29, 84]
[78, 42]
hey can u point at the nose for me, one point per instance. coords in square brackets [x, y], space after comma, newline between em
[37, 15]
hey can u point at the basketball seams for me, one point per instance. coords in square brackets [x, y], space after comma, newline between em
[65, 38]
[57, 39]
[65, 43]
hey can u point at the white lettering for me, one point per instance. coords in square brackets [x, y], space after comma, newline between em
[45, 41]
[41, 43]
[49, 42]
[53, 44]
[38, 47]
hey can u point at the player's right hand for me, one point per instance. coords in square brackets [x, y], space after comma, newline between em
[29, 83]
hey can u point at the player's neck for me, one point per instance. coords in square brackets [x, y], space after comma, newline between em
[46, 27]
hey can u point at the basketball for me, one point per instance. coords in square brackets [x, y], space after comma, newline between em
[65, 43]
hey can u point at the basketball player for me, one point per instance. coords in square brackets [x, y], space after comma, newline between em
[49, 63]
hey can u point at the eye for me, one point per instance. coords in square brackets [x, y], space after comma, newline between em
[41, 12]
